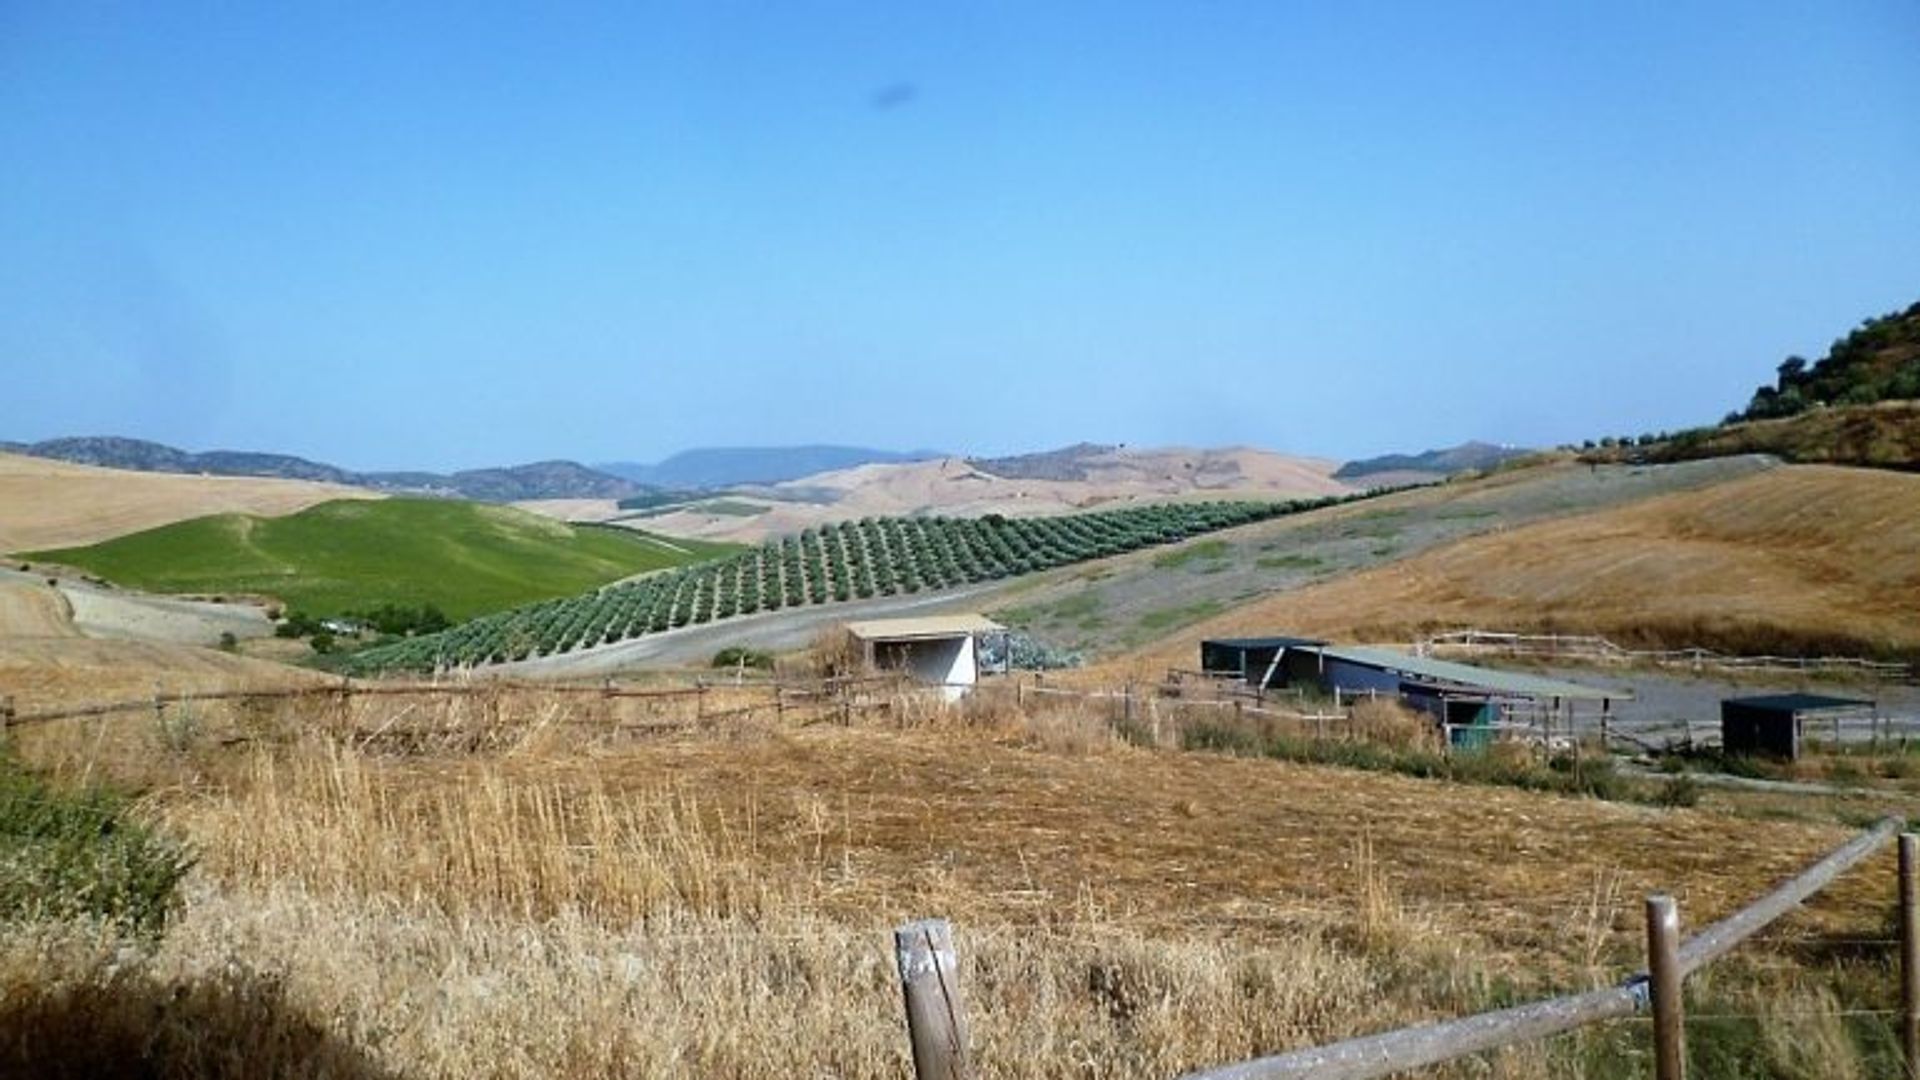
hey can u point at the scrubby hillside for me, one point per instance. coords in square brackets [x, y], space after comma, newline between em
[1855, 406]
[1879, 361]
[1806, 559]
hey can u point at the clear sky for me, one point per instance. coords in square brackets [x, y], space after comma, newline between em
[468, 234]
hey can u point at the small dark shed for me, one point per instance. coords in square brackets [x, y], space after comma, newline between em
[1248, 659]
[1771, 723]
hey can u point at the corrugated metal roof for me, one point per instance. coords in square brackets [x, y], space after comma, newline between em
[932, 626]
[1262, 642]
[1446, 671]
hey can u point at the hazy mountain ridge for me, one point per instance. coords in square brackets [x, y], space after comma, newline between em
[538, 480]
[728, 466]
[1443, 462]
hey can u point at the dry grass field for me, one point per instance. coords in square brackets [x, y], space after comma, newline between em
[1796, 559]
[52, 504]
[31, 609]
[52, 672]
[526, 894]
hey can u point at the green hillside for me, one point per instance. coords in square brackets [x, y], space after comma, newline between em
[828, 564]
[465, 558]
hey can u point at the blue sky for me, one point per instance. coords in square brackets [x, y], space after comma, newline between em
[460, 235]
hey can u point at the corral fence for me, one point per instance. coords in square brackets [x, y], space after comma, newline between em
[938, 1032]
[705, 702]
[1596, 649]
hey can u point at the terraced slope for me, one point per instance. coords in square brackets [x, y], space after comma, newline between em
[1800, 559]
[835, 563]
[465, 558]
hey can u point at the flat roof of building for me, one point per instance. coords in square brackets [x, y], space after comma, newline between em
[1427, 669]
[923, 629]
[1798, 703]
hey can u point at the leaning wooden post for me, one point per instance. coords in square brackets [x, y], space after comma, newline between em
[1663, 970]
[1910, 953]
[930, 984]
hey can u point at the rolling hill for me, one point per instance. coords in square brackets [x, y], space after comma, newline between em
[834, 564]
[45, 503]
[1858, 405]
[1062, 481]
[1794, 560]
[465, 558]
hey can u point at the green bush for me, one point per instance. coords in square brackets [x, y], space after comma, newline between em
[735, 656]
[66, 854]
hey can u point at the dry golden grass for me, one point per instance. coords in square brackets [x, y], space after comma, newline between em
[50, 672]
[51, 504]
[1801, 558]
[539, 892]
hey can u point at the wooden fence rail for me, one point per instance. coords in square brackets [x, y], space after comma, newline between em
[937, 1031]
[1592, 647]
[1431, 1044]
[782, 691]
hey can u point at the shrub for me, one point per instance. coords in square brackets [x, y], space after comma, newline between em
[74, 854]
[736, 656]
[1678, 791]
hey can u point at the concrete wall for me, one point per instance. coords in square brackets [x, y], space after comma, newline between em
[946, 662]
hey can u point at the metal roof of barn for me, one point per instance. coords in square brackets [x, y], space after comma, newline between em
[1428, 670]
[1263, 642]
[1799, 703]
[923, 629]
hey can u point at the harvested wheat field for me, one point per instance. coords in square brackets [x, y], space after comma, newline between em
[550, 899]
[1797, 559]
[54, 504]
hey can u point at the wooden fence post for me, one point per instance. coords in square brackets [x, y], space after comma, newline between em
[1910, 953]
[930, 984]
[6, 718]
[1663, 971]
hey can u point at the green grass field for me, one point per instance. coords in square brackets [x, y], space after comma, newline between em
[465, 558]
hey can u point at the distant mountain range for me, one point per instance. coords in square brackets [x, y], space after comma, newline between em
[732, 466]
[1456, 459]
[539, 480]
